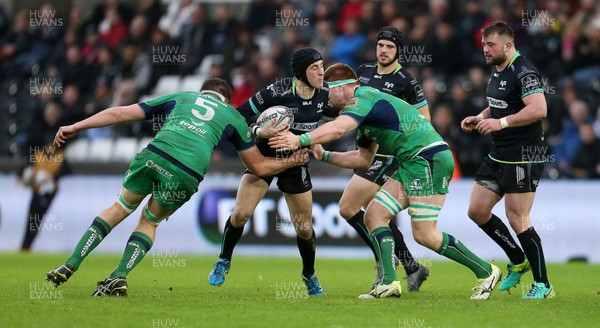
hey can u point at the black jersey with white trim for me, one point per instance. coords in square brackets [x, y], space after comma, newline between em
[399, 83]
[505, 93]
[307, 112]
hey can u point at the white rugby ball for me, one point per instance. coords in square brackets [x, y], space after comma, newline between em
[281, 114]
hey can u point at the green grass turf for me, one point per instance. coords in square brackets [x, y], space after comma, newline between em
[172, 291]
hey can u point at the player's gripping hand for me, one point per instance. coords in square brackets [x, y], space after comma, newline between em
[469, 123]
[317, 151]
[64, 133]
[284, 141]
[268, 130]
[299, 157]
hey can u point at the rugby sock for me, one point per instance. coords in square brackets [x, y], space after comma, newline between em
[385, 247]
[137, 246]
[532, 245]
[307, 248]
[231, 236]
[453, 249]
[358, 223]
[92, 237]
[408, 261]
[499, 233]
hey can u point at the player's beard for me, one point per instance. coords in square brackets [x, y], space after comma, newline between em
[498, 60]
[390, 62]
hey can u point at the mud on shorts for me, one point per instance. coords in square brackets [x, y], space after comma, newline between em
[151, 173]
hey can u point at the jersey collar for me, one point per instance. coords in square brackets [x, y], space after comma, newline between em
[517, 54]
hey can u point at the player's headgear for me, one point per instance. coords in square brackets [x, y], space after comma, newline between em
[394, 35]
[301, 60]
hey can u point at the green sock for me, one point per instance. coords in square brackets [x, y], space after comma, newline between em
[92, 237]
[137, 246]
[453, 249]
[383, 240]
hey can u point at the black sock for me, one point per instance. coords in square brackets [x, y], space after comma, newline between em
[307, 248]
[231, 236]
[406, 258]
[532, 244]
[357, 222]
[498, 231]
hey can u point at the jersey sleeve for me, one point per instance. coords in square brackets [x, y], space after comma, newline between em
[357, 108]
[263, 99]
[239, 134]
[162, 105]
[361, 140]
[414, 94]
[528, 82]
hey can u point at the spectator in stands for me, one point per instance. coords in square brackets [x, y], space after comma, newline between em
[586, 162]
[151, 10]
[346, 46]
[472, 18]
[323, 39]
[72, 70]
[112, 29]
[220, 29]
[44, 167]
[193, 41]
[261, 16]
[71, 104]
[570, 140]
[240, 50]
[445, 50]
[179, 13]
[99, 13]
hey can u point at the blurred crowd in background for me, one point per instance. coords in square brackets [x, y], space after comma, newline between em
[56, 73]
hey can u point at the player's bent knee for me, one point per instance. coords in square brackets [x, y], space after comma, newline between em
[388, 201]
[239, 217]
[347, 211]
[154, 220]
[127, 207]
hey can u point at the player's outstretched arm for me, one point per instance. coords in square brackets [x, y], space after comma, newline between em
[109, 116]
[264, 166]
[325, 133]
[355, 159]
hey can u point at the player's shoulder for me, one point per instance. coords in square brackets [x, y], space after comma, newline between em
[281, 87]
[523, 66]
[366, 67]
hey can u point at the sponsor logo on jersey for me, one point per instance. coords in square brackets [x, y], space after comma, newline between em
[259, 98]
[497, 103]
[363, 80]
[377, 77]
[193, 128]
[305, 126]
[389, 85]
[416, 185]
[307, 103]
[502, 85]
[161, 170]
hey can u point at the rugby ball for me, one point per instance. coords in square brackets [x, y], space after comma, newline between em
[282, 115]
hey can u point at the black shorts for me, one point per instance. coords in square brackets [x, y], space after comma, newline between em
[295, 180]
[380, 170]
[504, 178]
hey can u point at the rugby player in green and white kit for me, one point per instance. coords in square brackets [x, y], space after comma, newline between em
[169, 168]
[421, 183]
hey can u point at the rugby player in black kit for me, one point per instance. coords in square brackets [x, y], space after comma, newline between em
[307, 98]
[515, 163]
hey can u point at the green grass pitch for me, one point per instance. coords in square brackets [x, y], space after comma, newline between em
[172, 291]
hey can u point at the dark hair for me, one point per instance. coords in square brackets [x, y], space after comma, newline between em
[219, 86]
[500, 28]
[339, 71]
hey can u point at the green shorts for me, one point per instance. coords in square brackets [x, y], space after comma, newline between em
[149, 173]
[428, 173]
